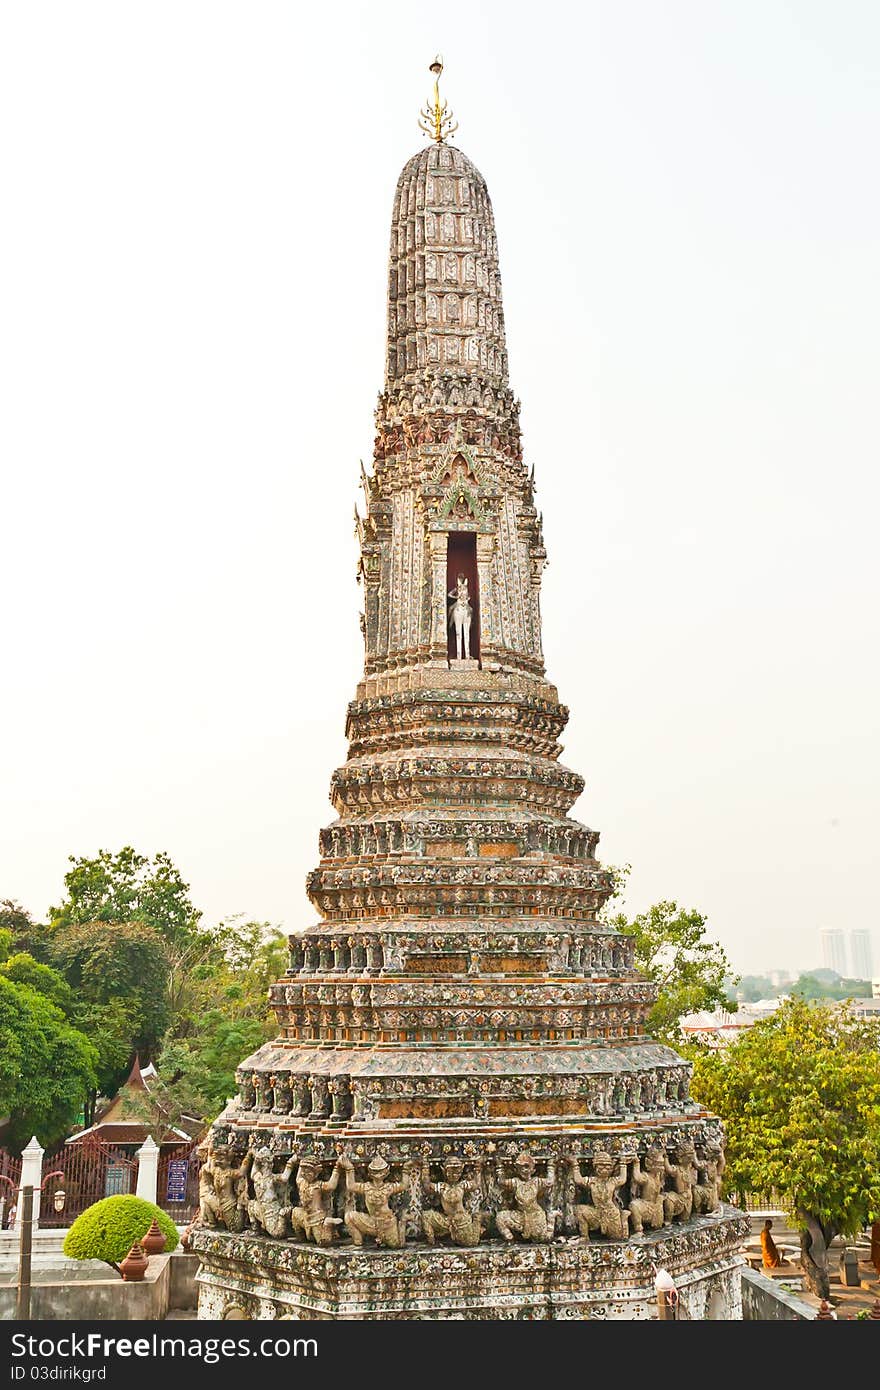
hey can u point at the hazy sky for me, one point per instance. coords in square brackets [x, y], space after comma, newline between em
[192, 295]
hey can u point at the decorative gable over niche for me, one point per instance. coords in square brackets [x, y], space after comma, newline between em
[459, 470]
[458, 491]
[460, 504]
[457, 462]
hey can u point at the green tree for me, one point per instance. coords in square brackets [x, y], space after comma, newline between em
[256, 955]
[46, 1065]
[102, 961]
[800, 1097]
[812, 986]
[141, 974]
[808, 987]
[111, 1027]
[127, 939]
[691, 971]
[22, 969]
[118, 972]
[751, 988]
[220, 1015]
[197, 1075]
[25, 933]
[128, 887]
[228, 968]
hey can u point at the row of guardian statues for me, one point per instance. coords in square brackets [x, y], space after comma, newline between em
[462, 1201]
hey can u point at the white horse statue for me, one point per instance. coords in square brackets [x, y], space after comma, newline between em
[460, 614]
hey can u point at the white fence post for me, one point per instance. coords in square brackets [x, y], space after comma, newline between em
[148, 1169]
[32, 1176]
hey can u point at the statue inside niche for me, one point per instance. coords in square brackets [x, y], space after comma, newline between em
[604, 1214]
[269, 1208]
[378, 1221]
[529, 1221]
[454, 1220]
[646, 1209]
[460, 614]
[311, 1217]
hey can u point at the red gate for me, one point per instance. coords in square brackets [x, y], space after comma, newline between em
[10, 1180]
[89, 1170]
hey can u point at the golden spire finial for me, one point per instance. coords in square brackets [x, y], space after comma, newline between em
[436, 119]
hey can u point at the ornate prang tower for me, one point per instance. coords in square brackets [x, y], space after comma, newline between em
[463, 1115]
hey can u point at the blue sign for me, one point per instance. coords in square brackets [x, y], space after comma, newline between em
[175, 1185]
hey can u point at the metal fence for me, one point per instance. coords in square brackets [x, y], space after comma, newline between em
[91, 1169]
[10, 1180]
[86, 1172]
[757, 1201]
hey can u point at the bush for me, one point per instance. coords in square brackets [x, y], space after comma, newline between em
[108, 1230]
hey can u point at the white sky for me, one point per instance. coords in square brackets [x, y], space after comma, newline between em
[196, 202]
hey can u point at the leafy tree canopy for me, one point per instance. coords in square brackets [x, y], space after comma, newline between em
[751, 988]
[108, 963]
[799, 1094]
[690, 970]
[128, 887]
[111, 1027]
[197, 1075]
[812, 986]
[24, 970]
[46, 1065]
[127, 958]
[24, 933]
[229, 966]
[220, 1014]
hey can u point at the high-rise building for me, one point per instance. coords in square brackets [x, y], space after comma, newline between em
[463, 1073]
[833, 944]
[860, 954]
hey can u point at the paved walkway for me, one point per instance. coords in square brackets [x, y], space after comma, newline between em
[846, 1301]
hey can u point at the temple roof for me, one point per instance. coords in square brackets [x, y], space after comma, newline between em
[444, 290]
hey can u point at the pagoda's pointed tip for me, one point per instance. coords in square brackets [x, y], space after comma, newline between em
[436, 119]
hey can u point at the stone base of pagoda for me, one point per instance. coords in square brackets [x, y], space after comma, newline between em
[254, 1277]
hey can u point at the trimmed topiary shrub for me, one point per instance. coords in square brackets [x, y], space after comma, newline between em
[108, 1230]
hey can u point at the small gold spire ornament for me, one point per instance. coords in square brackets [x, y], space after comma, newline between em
[436, 120]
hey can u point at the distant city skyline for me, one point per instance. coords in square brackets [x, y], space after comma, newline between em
[849, 953]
